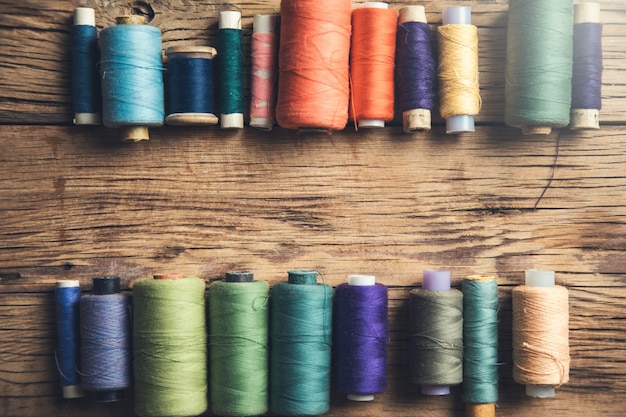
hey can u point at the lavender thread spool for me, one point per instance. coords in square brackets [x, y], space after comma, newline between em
[361, 334]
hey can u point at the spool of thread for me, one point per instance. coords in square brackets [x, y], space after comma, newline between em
[313, 62]
[131, 70]
[540, 334]
[85, 79]
[105, 340]
[191, 85]
[538, 81]
[436, 334]
[372, 59]
[459, 92]
[300, 332]
[587, 70]
[230, 64]
[67, 297]
[480, 345]
[415, 69]
[239, 345]
[360, 338]
[169, 344]
[264, 71]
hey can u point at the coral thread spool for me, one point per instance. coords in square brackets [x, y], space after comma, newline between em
[458, 76]
[132, 79]
[67, 297]
[587, 70]
[372, 57]
[540, 334]
[415, 69]
[191, 85]
[85, 80]
[264, 71]
[230, 48]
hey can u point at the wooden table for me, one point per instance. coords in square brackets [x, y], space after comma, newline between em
[77, 203]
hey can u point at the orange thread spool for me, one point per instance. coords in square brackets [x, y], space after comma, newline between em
[313, 60]
[372, 64]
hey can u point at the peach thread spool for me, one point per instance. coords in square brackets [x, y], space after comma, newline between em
[264, 71]
[372, 59]
[313, 62]
[540, 334]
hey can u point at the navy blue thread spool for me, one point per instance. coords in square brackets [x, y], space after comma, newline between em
[105, 340]
[86, 95]
[190, 85]
[67, 297]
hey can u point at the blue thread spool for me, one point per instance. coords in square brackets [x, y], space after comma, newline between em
[85, 80]
[105, 328]
[67, 296]
[190, 85]
[131, 70]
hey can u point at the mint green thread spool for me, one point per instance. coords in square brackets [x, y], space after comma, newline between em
[169, 338]
[301, 331]
[239, 348]
[539, 58]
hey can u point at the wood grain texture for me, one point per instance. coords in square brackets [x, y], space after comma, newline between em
[76, 203]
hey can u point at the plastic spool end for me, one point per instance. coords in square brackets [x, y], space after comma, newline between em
[302, 277]
[584, 119]
[231, 121]
[460, 124]
[202, 52]
[457, 15]
[587, 13]
[362, 280]
[135, 133]
[191, 119]
[536, 130]
[230, 19]
[435, 389]
[67, 283]
[540, 391]
[73, 391]
[361, 398]
[480, 410]
[412, 14]
[239, 276]
[436, 280]
[265, 23]
[84, 16]
[416, 120]
[540, 278]
[109, 396]
[262, 123]
[106, 285]
[88, 119]
[374, 5]
[131, 19]
[167, 276]
[371, 123]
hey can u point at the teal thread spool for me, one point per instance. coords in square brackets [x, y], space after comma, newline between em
[131, 71]
[239, 348]
[230, 64]
[301, 331]
[480, 345]
[169, 346]
[539, 53]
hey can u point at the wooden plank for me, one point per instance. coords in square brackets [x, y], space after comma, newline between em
[78, 203]
[28, 379]
[35, 51]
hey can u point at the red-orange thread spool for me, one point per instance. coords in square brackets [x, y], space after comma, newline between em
[313, 59]
[372, 64]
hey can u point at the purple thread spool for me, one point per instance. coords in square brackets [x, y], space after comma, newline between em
[415, 69]
[361, 327]
[435, 280]
[587, 68]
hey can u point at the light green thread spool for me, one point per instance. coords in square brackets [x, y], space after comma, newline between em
[238, 348]
[169, 336]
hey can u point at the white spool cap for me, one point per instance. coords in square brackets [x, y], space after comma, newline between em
[230, 19]
[84, 16]
[458, 15]
[545, 279]
[67, 283]
[372, 123]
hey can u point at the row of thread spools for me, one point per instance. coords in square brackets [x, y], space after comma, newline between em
[320, 64]
[276, 349]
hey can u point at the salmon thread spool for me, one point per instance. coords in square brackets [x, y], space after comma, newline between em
[264, 71]
[313, 65]
[372, 63]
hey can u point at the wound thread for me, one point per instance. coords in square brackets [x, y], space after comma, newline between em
[264, 71]
[372, 61]
[86, 94]
[230, 66]
[67, 297]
